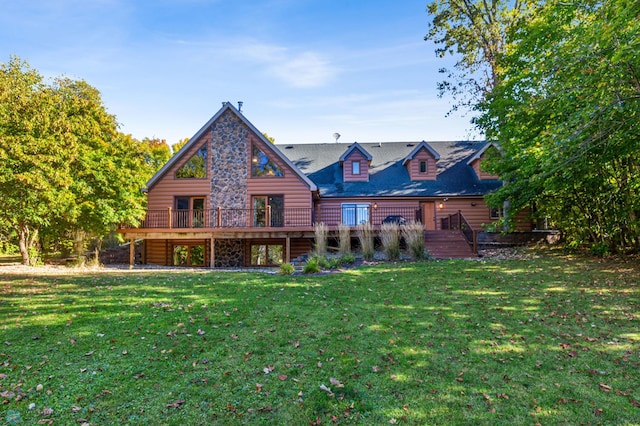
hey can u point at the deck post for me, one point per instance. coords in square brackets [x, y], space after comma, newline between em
[170, 218]
[212, 253]
[268, 218]
[132, 252]
[287, 250]
[219, 218]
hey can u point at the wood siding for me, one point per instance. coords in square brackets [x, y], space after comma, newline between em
[296, 192]
[347, 168]
[163, 193]
[413, 166]
[482, 175]
[476, 215]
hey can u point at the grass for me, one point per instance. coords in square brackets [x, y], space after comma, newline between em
[548, 340]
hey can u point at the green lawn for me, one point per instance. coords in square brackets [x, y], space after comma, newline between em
[550, 340]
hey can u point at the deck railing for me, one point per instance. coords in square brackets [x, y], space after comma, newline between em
[273, 217]
[458, 221]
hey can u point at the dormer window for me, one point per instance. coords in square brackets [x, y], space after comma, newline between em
[423, 167]
[356, 167]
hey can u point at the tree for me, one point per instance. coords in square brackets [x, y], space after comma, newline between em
[64, 167]
[158, 153]
[474, 32]
[566, 111]
[34, 162]
[178, 145]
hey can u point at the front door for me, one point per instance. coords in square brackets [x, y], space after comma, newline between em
[274, 216]
[428, 215]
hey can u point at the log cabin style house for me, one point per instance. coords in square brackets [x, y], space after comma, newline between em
[230, 198]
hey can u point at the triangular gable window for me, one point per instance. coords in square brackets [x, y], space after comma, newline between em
[261, 165]
[196, 167]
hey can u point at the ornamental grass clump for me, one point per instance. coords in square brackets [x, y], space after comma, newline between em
[321, 230]
[364, 231]
[344, 236]
[390, 237]
[413, 234]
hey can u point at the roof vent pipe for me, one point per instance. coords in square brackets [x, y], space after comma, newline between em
[240, 106]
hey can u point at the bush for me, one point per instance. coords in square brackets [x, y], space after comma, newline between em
[600, 250]
[347, 259]
[344, 234]
[413, 234]
[286, 269]
[321, 230]
[312, 266]
[364, 232]
[390, 236]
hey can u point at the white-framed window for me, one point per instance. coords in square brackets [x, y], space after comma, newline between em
[354, 214]
[355, 167]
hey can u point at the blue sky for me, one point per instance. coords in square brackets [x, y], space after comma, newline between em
[304, 69]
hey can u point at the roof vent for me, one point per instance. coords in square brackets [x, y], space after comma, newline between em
[410, 145]
[240, 106]
[288, 147]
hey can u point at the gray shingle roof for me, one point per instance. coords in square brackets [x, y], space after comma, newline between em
[387, 175]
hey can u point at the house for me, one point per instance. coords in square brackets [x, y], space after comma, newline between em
[231, 198]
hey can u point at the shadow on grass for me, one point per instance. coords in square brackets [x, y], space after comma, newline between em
[456, 342]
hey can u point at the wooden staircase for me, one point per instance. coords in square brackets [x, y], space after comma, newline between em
[449, 244]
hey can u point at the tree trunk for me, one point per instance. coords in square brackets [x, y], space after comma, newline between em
[23, 241]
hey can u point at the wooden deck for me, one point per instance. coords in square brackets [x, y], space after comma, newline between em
[448, 244]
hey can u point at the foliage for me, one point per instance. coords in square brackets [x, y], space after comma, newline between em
[413, 234]
[364, 232]
[474, 32]
[157, 153]
[344, 236]
[544, 339]
[286, 269]
[390, 237]
[312, 266]
[178, 145]
[567, 116]
[64, 167]
[320, 232]
[347, 259]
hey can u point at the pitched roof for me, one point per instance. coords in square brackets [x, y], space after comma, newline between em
[482, 151]
[417, 149]
[353, 147]
[195, 138]
[387, 175]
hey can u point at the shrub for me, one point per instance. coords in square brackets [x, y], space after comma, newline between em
[321, 230]
[413, 234]
[364, 231]
[286, 269]
[600, 250]
[390, 236]
[311, 267]
[344, 234]
[347, 259]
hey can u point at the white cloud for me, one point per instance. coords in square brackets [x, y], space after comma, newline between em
[296, 69]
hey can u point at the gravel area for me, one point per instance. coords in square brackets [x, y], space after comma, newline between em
[15, 268]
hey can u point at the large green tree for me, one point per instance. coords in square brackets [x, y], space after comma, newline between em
[64, 166]
[566, 112]
[473, 32]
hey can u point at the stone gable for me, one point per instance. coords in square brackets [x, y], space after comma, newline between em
[229, 170]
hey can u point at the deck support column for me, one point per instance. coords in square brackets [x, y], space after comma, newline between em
[132, 252]
[212, 253]
[287, 250]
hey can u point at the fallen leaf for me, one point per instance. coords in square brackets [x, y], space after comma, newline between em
[282, 377]
[336, 382]
[176, 404]
[604, 388]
